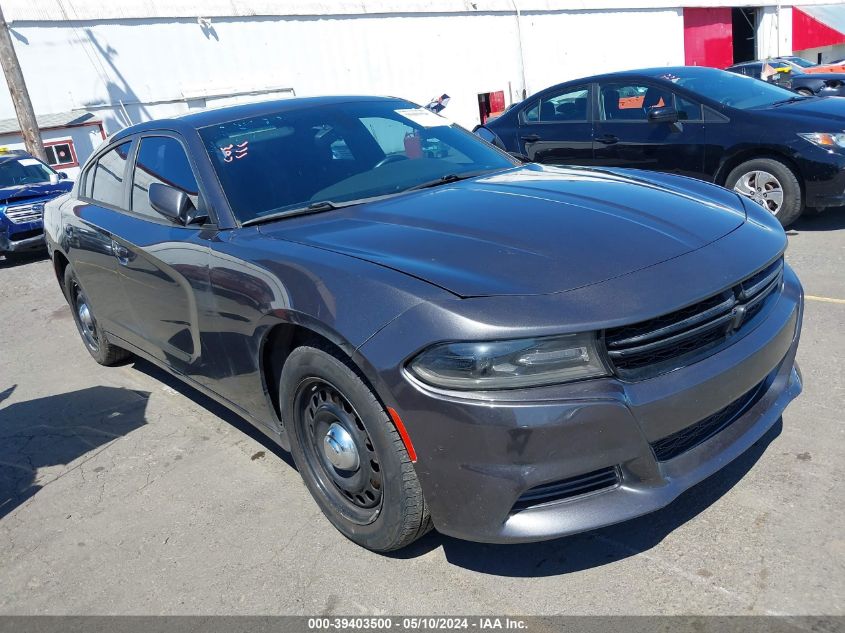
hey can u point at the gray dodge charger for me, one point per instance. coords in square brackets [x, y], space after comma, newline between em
[441, 335]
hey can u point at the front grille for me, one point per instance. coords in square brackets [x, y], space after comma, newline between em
[23, 213]
[687, 438]
[650, 347]
[567, 488]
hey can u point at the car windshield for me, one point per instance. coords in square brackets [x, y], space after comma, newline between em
[340, 153]
[23, 171]
[731, 89]
[799, 61]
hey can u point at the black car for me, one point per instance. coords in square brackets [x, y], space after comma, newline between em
[782, 150]
[440, 337]
[792, 76]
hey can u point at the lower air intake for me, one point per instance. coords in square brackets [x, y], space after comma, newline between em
[567, 488]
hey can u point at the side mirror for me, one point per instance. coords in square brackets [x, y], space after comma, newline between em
[62, 175]
[665, 114]
[173, 203]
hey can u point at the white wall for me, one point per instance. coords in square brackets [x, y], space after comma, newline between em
[566, 45]
[774, 31]
[142, 63]
[132, 69]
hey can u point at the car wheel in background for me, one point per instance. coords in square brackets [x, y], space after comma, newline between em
[94, 339]
[349, 453]
[771, 184]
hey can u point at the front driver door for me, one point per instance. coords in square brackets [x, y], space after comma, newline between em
[164, 266]
[557, 128]
[624, 136]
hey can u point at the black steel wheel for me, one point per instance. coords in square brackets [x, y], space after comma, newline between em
[349, 453]
[339, 452]
[92, 336]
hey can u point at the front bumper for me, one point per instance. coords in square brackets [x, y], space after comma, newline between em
[11, 245]
[477, 458]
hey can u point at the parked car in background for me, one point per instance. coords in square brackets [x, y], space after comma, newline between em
[794, 78]
[834, 67]
[508, 352]
[800, 62]
[782, 150]
[26, 184]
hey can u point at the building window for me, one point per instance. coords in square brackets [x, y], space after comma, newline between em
[60, 154]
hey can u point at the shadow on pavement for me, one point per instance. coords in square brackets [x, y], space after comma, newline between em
[599, 547]
[212, 406]
[57, 430]
[19, 259]
[827, 220]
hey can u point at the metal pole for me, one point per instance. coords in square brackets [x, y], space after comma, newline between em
[20, 96]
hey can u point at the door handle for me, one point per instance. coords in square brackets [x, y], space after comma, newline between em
[120, 252]
[530, 138]
[607, 139]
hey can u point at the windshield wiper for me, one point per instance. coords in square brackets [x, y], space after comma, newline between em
[443, 180]
[792, 100]
[314, 207]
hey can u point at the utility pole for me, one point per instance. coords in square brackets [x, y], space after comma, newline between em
[20, 96]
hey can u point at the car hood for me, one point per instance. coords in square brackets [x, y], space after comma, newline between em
[825, 110]
[37, 190]
[530, 230]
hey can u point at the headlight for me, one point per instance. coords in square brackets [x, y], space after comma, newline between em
[825, 139]
[529, 362]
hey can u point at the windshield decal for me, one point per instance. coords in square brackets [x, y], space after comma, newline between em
[232, 151]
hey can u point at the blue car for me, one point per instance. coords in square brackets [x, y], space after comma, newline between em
[25, 185]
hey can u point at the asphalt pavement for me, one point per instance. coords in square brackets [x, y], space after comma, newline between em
[123, 491]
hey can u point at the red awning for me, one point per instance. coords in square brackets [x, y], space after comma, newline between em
[814, 26]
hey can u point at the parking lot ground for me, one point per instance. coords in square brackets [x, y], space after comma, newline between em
[124, 492]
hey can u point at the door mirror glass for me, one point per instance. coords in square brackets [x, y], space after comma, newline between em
[172, 203]
[665, 114]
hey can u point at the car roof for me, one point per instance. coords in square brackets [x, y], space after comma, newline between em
[13, 154]
[662, 72]
[216, 116]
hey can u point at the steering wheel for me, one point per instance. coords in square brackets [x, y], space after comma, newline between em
[392, 158]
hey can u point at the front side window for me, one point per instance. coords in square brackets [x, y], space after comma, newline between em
[631, 102]
[338, 153]
[161, 159]
[107, 186]
[23, 170]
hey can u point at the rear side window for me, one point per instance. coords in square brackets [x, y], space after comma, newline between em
[107, 186]
[571, 105]
[161, 159]
[687, 110]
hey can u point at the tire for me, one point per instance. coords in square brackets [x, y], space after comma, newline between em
[377, 501]
[93, 338]
[772, 175]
